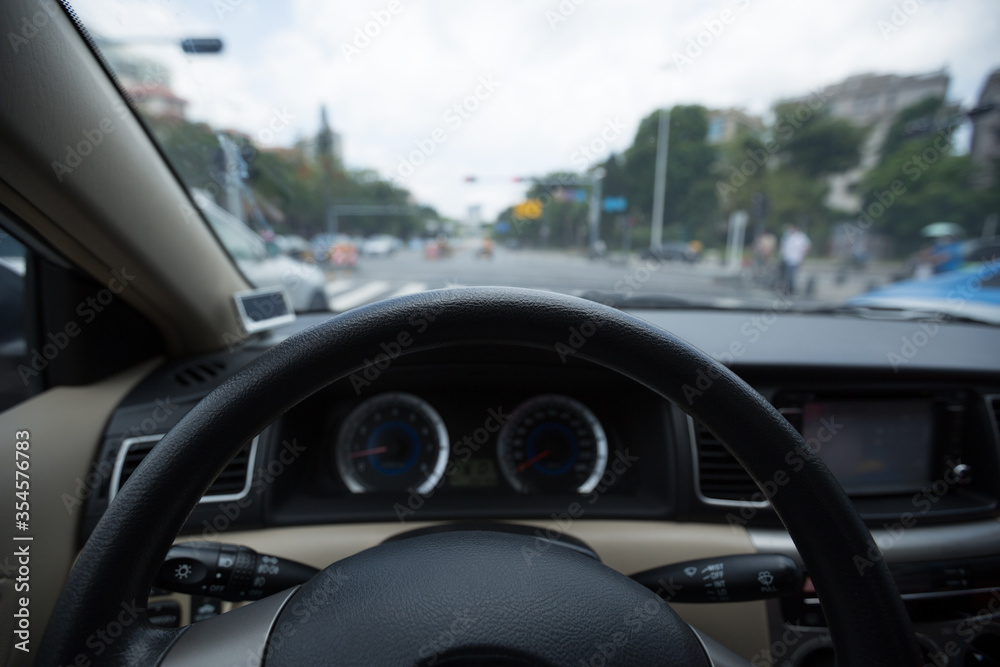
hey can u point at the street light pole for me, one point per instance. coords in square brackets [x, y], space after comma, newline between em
[660, 179]
[595, 206]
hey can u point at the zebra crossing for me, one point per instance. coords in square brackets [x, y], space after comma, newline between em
[350, 293]
[347, 293]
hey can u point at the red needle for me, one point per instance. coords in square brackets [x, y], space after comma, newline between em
[368, 452]
[532, 461]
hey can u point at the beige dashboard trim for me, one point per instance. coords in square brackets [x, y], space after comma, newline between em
[66, 425]
[627, 546]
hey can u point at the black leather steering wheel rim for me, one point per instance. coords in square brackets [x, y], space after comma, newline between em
[867, 620]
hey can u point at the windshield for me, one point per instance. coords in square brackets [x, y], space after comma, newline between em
[657, 154]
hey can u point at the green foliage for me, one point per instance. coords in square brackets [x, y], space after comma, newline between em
[289, 181]
[820, 145]
[919, 181]
[786, 164]
[897, 134]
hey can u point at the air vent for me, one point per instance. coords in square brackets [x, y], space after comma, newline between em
[231, 484]
[720, 476]
[200, 373]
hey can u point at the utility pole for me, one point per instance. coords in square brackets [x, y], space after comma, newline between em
[660, 179]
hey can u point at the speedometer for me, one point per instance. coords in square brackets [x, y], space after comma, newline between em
[552, 444]
[392, 443]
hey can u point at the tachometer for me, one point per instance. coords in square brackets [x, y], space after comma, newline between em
[392, 443]
[552, 444]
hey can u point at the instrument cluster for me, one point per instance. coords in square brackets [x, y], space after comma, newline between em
[397, 442]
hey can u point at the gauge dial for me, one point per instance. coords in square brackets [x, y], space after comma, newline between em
[392, 443]
[552, 444]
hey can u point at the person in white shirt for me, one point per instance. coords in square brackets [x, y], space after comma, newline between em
[794, 248]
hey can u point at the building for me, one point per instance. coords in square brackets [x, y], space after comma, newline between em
[146, 82]
[985, 149]
[326, 142]
[873, 100]
[867, 99]
[156, 101]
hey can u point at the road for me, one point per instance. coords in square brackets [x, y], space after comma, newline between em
[408, 271]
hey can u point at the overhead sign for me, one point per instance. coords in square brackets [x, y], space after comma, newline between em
[615, 204]
[530, 209]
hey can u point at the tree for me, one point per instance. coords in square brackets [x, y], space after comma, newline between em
[919, 181]
[786, 165]
[288, 180]
[691, 204]
[821, 145]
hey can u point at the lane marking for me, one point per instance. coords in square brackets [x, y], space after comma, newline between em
[409, 288]
[357, 297]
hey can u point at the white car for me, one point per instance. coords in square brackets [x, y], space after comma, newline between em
[304, 282]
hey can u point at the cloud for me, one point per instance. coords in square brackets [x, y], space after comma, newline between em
[561, 79]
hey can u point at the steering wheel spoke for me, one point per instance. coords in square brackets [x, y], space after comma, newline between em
[241, 634]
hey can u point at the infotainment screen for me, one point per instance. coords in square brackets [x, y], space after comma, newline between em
[873, 447]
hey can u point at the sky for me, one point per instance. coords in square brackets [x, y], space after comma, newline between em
[427, 93]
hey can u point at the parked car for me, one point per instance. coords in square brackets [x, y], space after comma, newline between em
[304, 282]
[672, 251]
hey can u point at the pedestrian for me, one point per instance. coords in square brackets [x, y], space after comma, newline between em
[763, 251]
[794, 248]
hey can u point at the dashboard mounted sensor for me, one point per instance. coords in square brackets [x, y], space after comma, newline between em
[263, 309]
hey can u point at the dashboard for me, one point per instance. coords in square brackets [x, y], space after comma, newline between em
[491, 432]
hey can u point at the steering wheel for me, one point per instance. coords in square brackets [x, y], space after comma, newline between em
[462, 597]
